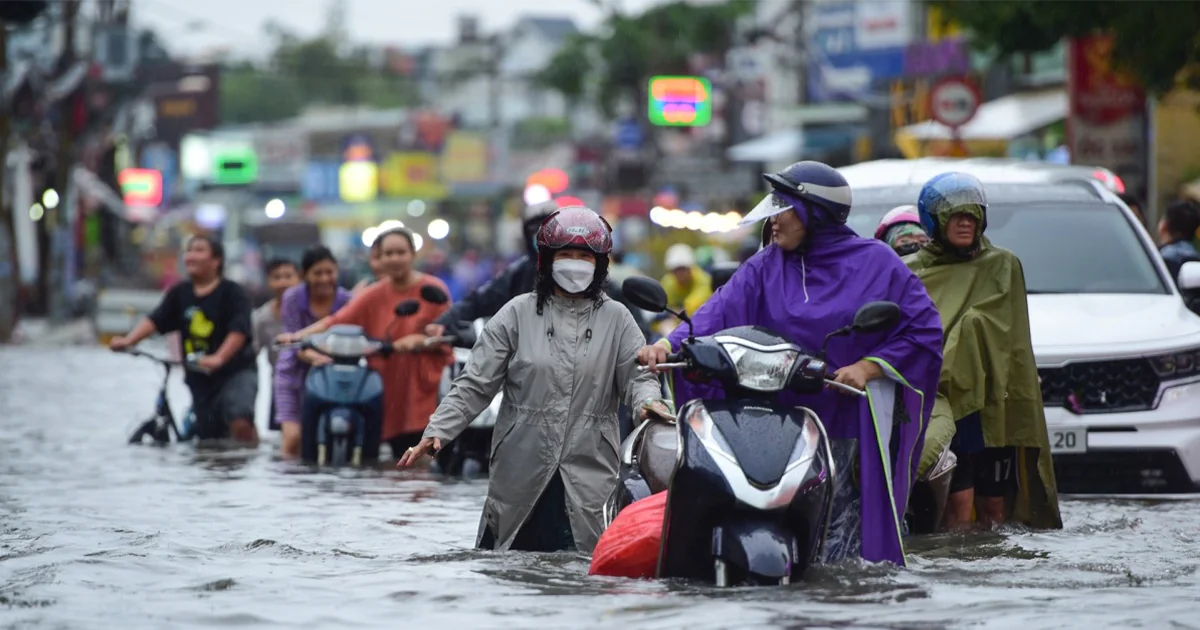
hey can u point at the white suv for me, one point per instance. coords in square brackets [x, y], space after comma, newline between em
[1117, 350]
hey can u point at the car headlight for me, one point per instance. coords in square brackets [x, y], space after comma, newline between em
[702, 424]
[345, 346]
[1177, 364]
[760, 370]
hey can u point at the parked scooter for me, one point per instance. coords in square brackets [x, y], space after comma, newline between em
[750, 482]
[348, 426]
[161, 425]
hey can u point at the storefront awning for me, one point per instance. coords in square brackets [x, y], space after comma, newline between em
[792, 144]
[1005, 118]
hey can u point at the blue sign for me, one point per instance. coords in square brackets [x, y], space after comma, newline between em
[847, 55]
[628, 134]
[161, 157]
[321, 180]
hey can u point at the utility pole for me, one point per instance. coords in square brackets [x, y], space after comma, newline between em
[8, 287]
[53, 267]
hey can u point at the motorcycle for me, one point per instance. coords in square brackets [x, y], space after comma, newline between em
[347, 428]
[467, 455]
[750, 482]
[161, 424]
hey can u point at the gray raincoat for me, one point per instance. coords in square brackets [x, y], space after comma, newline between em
[563, 374]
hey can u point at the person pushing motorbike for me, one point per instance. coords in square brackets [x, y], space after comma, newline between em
[805, 284]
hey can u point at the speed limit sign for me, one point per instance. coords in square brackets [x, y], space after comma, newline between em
[953, 101]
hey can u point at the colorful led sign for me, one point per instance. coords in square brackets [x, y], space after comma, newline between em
[141, 186]
[680, 101]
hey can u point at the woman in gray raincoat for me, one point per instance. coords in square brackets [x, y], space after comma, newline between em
[565, 356]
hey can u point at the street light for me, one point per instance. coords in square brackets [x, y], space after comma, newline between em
[50, 198]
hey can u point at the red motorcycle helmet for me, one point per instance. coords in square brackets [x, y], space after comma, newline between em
[578, 227]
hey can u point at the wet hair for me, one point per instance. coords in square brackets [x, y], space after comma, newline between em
[276, 263]
[377, 245]
[314, 255]
[545, 280]
[1182, 219]
[214, 245]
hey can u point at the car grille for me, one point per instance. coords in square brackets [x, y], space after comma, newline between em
[1101, 386]
[1137, 472]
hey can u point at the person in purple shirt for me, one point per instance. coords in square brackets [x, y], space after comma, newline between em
[809, 280]
[317, 297]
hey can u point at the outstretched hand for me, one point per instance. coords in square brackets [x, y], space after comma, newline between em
[425, 447]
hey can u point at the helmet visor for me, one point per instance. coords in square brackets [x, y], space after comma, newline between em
[592, 233]
[771, 205]
[946, 195]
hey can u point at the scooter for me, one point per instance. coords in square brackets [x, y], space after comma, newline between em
[750, 482]
[468, 455]
[347, 429]
[161, 424]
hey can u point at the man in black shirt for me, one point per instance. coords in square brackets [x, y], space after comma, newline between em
[212, 316]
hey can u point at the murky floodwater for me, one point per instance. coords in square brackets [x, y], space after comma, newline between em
[98, 534]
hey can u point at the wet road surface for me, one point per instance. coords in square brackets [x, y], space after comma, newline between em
[98, 534]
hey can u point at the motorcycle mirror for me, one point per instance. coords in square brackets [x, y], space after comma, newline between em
[645, 293]
[407, 308]
[876, 317]
[434, 295]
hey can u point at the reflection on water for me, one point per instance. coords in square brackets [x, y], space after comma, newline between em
[98, 534]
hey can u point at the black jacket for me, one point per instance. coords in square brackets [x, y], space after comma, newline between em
[1175, 255]
[517, 279]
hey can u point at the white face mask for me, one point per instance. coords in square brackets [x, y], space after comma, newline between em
[572, 275]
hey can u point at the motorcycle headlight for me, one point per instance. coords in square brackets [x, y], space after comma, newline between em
[700, 422]
[761, 370]
[345, 346]
[1177, 364]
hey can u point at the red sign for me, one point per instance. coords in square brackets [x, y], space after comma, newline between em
[1100, 94]
[953, 101]
[141, 186]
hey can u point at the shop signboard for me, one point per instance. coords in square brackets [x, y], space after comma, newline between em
[1106, 119]
[855, 44]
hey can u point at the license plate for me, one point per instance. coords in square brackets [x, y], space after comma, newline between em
[1068, 440]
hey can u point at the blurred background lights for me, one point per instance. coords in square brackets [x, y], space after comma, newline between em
[707, 222]
[275, 208]
[537, 193]
[438, 229]
[368, 236]
[418, 241]
[50, 198]
[390, 224]
[416, 208]
[36, 212]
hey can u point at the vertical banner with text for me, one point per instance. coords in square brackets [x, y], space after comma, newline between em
[1106, 123]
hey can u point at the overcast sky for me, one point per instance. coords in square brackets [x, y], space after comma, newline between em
[190, 26]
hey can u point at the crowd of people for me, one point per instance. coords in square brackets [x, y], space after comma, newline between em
[562, 343]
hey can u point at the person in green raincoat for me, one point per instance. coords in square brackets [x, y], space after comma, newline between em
[989, 402]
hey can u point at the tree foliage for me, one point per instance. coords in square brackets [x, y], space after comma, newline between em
[1159, 42]
[661, 40]
[324, 69]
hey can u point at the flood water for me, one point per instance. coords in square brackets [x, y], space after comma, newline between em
[98, 534]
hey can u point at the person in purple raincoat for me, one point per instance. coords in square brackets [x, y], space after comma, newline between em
[809, 281]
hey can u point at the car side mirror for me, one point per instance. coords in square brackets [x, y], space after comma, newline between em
[876, 317]
[1189, 275]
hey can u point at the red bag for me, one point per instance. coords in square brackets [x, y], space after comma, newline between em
[629, 547]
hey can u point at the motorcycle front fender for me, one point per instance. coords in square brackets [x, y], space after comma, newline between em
[757, 547]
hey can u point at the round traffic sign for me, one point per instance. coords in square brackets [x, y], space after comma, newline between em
[953, 101]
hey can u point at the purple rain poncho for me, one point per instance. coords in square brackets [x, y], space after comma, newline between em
[803, 297]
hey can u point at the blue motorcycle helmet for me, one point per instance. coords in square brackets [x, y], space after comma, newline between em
[815, 191]
[946, 195]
